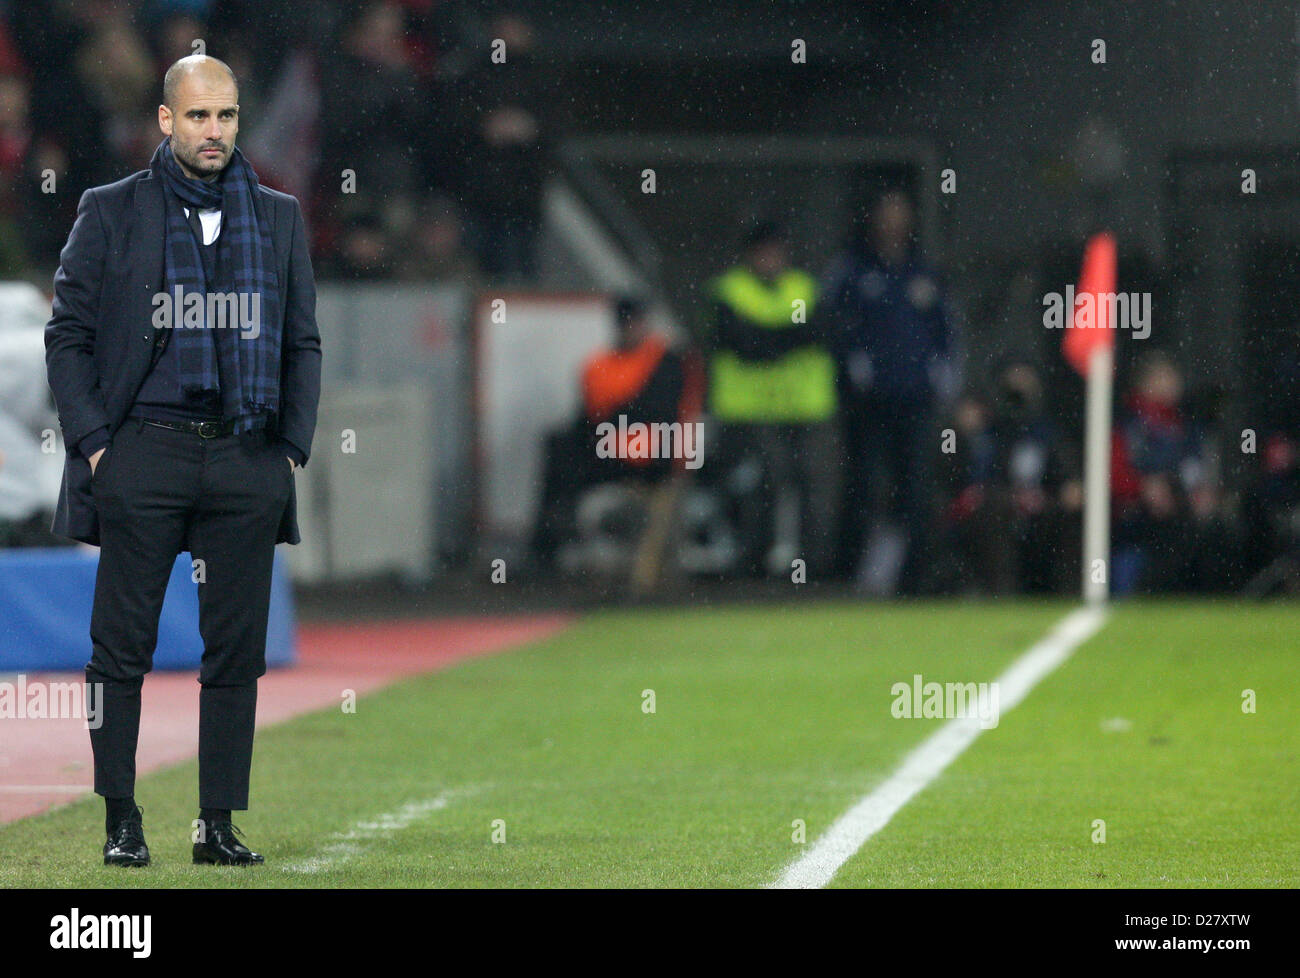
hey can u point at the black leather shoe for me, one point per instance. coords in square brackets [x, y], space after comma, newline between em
[223, 848]
[125, 845]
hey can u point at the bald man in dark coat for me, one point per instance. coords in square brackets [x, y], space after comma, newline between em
[185, 360]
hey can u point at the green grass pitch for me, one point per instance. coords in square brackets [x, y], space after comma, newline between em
[542, 766]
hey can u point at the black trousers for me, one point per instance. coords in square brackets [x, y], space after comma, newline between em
[804, 457]
[890, 443]
[159, 492]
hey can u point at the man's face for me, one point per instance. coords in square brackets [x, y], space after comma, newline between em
[203, 123]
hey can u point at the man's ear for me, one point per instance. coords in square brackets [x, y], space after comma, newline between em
[165, 120]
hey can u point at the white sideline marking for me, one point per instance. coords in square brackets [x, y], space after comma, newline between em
[350, 843]
[872, 812]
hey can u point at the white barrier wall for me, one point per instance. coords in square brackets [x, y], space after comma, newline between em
[366, 501]
[389, 483]
[31, 444]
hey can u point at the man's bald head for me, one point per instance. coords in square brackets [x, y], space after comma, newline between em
[209, 68]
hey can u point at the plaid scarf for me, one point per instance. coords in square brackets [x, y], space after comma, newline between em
[239, 359]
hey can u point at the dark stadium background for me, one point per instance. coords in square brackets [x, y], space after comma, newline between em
[1045, 145]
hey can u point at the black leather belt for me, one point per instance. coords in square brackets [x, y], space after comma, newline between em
[204, 429]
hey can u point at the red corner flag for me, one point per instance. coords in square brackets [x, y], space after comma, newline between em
[1092, 327]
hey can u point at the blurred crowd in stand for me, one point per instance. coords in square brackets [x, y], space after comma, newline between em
[413, 158]
[847, 445]
[845, 437]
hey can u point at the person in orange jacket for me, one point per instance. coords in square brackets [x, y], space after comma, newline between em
[639, 382]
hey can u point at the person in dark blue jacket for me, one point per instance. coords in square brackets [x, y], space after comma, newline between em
[893, 350]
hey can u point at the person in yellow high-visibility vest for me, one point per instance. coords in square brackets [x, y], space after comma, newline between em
[772, 392]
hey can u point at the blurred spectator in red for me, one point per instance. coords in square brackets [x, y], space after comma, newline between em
[1271, 501]
[1156, 472]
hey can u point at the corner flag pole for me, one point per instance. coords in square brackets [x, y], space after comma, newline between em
[1089, 346]
[1096, 489]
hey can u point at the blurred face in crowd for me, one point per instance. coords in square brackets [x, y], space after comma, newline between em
[970, 415]
[379, 36]
[892, 224]
[13, 102]
[1162, 384]
[440, 236]
[1021, 388]
[514, 30]
[768, 259]
[203, 119]
[365, 247]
